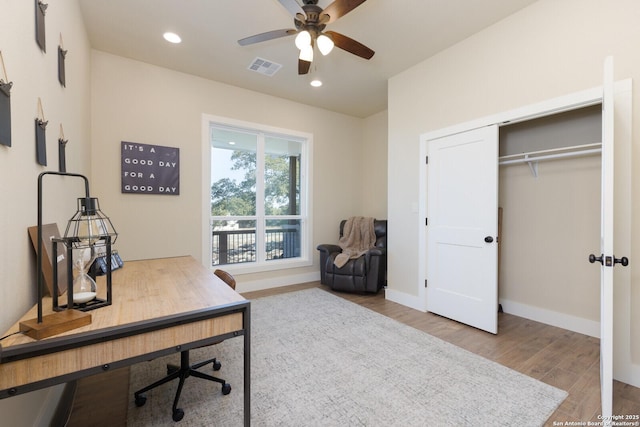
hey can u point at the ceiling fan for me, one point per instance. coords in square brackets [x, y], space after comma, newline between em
[310, 20]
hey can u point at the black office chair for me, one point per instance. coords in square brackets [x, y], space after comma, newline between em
[185, 370]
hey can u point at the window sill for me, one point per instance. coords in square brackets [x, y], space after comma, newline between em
[273, 265]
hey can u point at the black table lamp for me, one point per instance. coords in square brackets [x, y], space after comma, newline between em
[88, 232]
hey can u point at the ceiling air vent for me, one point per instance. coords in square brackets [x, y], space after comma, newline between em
[263, 66]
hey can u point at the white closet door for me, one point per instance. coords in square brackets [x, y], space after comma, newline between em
[606, 246]
[462, 209]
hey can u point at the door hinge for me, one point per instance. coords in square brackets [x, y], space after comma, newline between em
[427, 161]
[426, 221]
[425, 283]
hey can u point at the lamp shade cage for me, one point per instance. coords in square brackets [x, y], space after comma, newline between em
[89, 224]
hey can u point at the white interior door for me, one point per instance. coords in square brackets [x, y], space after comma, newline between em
[462, 209]
[606, 245]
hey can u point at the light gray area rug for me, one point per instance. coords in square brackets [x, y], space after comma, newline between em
[319, 360]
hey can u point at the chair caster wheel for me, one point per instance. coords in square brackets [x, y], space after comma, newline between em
[217, 365]
[141, 400]
[178, 414]
[226, 388]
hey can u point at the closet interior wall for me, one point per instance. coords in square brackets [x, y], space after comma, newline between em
[551, 222]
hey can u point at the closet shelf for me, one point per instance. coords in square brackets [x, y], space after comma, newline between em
[532, 158]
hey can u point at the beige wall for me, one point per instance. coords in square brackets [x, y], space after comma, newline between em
[137, 102]
[374, 168]
[550, 225]
[550, 49]
[35, 74]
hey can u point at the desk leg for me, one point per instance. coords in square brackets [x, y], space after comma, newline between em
[246, 319]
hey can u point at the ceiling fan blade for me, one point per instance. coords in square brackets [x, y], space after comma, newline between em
[340, 8]
[292, 6]
[269, 35]
[350, 45]
[303, 66]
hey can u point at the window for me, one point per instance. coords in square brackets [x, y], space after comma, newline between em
[258, 198]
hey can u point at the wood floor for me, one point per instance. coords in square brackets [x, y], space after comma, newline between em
[564, 359]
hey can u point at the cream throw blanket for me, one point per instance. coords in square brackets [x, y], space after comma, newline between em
[358, 236]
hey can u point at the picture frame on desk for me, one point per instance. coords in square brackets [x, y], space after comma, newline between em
[50, 232]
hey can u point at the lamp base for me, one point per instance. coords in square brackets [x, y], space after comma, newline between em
[56, 323]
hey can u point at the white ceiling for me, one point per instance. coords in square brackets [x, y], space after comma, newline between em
[401, 32]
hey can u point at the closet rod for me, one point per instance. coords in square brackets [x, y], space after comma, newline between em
[556, 153]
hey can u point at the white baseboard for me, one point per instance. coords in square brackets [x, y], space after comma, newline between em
[553, 318]
[275, 282]
[628, 373]
[411, 301]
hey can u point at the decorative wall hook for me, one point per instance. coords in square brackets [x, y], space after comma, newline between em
[62, 54]
[41, 136]
[62, 158]
[41, 9]
[5, 106]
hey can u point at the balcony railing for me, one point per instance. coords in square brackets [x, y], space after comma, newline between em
[239, 246]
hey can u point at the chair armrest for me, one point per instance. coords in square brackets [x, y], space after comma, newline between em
[328, 248]
[377, 251]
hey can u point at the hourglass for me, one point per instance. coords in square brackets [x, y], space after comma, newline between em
[85, 288]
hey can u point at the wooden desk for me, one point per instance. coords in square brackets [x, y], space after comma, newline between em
[160, 307]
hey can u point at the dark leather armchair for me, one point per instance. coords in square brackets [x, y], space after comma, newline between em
[364, 274]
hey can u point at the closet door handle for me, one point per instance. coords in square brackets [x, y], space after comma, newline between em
[593, 258]
[488, 239]
[624, 261]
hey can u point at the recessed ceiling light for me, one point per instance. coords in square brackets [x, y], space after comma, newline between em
[172, 37]
[316, 83]
[232, 143]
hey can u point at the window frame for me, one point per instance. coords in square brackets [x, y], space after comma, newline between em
[261, 264]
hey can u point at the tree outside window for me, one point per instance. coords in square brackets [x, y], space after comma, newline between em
[256, 199]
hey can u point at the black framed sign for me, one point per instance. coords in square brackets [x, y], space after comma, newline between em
[149, 169]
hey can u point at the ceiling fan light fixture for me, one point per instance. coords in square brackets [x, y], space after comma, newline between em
[303, 40]
[306, 54]
[325, 44]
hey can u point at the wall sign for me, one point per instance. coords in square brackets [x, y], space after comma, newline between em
[150, 169]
